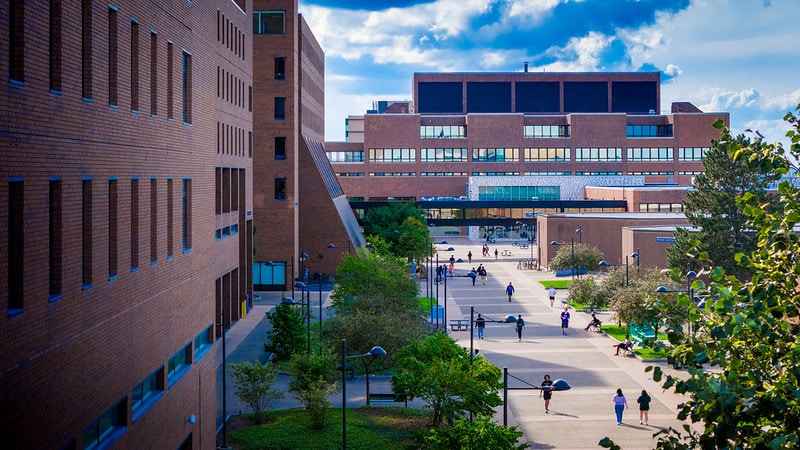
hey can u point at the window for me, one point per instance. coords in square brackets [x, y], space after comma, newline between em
[345, 157]
[598, 173]
[86, 49]
[639, 131]
[146, 393]
[134, 65]
[280, 108]
[153, 73]
[392, 155]
[179, 364]
[443, 174]
[170, 218]
[134, 224]
[598, 155]
[55, 45]
[187, 87]
[16, 40]
[153, 221]
[186, 215]
[113, 75]
[280, 147]
[226, 190]
[269, 22]
[546, 154]
[547, 174]
[280, 188]
[112, 228]
[546, 131]
[86, 241]
[107, 428]
[443, 155]
[692, 153]
[442, 131]
[280, 68]
[203, 342]
[649, 154]
[392, 174]
[56, 239]
[170, 86]
[495, 154]
[16, 245]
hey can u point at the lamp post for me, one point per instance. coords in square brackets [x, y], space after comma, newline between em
[636, 256]
[580, 234]
[605, 263]
[373, 353]
[572, 246]
[319, 333]
[302, 258]
[290, 301]
[335, 246]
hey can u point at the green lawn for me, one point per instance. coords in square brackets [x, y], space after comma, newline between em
[558, 284]
[367, 428]
[645, 353]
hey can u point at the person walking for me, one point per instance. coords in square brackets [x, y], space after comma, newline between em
[482, 273]
[644, 407]
[520, 326]
[546, 392]
[564, 321]
[496, 252]
[620, 403]
[480, 324]
[509, 290]
[473, 274]
[552, 294]
[469, 257]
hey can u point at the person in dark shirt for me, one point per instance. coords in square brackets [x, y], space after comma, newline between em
[644, 407]
[520, 326]
[546, 392]
[480, 322]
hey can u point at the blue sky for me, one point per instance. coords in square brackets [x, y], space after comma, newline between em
[739, 56]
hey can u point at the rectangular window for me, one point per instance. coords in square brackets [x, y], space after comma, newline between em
[598, 155]
[187, 87]
[546, 131]
[170, 86]
[179, 364]
[226, 190]
[186, 207]
[56, 239]
[147, 392]
[107, 428]
[134, 65]
[55, 48]
[280, 147]
[692, 153]
[153, 73]
[345, 157]
[86, 49]
[280, 68]
[442, 131]
[170, 218]
[203, 342]
[495, 154]
[134, 224]
[16, 40]
[16, 246]
[86, 235]
[153, 220]
[656, 154]
[546, 154]
[443, 155]
[113, 76]
[280, 188]
[112, 228]
[280, 108]
[393, 155]
[646, 131]
[269, 22]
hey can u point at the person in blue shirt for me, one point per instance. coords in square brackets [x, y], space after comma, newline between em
[520, 326]
[509, 290]
[564, 321]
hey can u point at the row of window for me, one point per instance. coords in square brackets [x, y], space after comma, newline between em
[230, 35]
[56, 208]
[506, 174]
[594, 154]
[543, 131]
[18, 39]
[230, 189]
[112, 423]
[231, 140]
[231, 88]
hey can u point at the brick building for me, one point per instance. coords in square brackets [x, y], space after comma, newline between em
[299, 206]
[126, 185]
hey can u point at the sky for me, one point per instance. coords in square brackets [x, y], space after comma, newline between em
[736, 56]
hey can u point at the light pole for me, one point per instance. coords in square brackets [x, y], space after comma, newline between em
[636, 256]
[580, 234]
[319, 333]
[303, 257]
[307, 304]
[224, 384]
[572, 246]
[335, 246]
[605, 263]
[373, 353]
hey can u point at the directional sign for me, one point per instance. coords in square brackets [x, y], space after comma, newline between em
[665, 239]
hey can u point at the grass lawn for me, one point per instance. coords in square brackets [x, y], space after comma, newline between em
[645, 353]
[558, 284]
[367, 428]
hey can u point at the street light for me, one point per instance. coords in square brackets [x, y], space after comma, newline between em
[290, 301]
[572, 245]
[636, 255]
[605, 263]
[332, 245]
[302, 258]
[373, 353]
[580, 234]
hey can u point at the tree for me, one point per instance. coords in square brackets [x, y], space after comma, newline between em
[288, 333]
[712, 205]
[375, 276]
[314, 380]
[638, 304]
[438, 371]
[742, 352]
[254, 383]
[402, 226]
[467, 435]
[588, 291]
[587, 257]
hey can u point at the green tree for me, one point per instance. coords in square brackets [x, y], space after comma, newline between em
[589, 291]
[402, 226]
[375, 276]
[254, 386]
[438, 371]
[314, 399]
[467, 435]
[587, 257]
[313, 381]
[712, 205]
[638, 304]
[288, 333]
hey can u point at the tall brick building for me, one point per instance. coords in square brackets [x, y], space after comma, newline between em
[126, 184]
[299, 206]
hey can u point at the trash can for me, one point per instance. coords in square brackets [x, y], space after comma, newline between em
[437, 311]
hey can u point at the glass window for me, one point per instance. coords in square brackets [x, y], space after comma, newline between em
[442, 131]
[649, 154]
[392, 155]
[280, 68]
[647, 131]
[205, 339]
[546, 131]
[269, 22]
[280, 147]
[443, 154]
[146, 392]
[345, 157]
[495, 154]
[692, 153]
[598, 154]
[106, 428]
[179, 364]
[280, 108]
[280, 188]
[547, 154]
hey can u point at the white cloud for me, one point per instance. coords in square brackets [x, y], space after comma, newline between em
[580, 54]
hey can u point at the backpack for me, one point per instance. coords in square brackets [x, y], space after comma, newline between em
[520, 323]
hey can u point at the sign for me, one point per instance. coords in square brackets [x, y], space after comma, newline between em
[665, 239]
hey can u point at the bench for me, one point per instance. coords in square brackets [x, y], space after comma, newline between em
[348, 369]
[528, 264]
[389, 397]
[459, 324]
[506, 253]
[641, 334]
